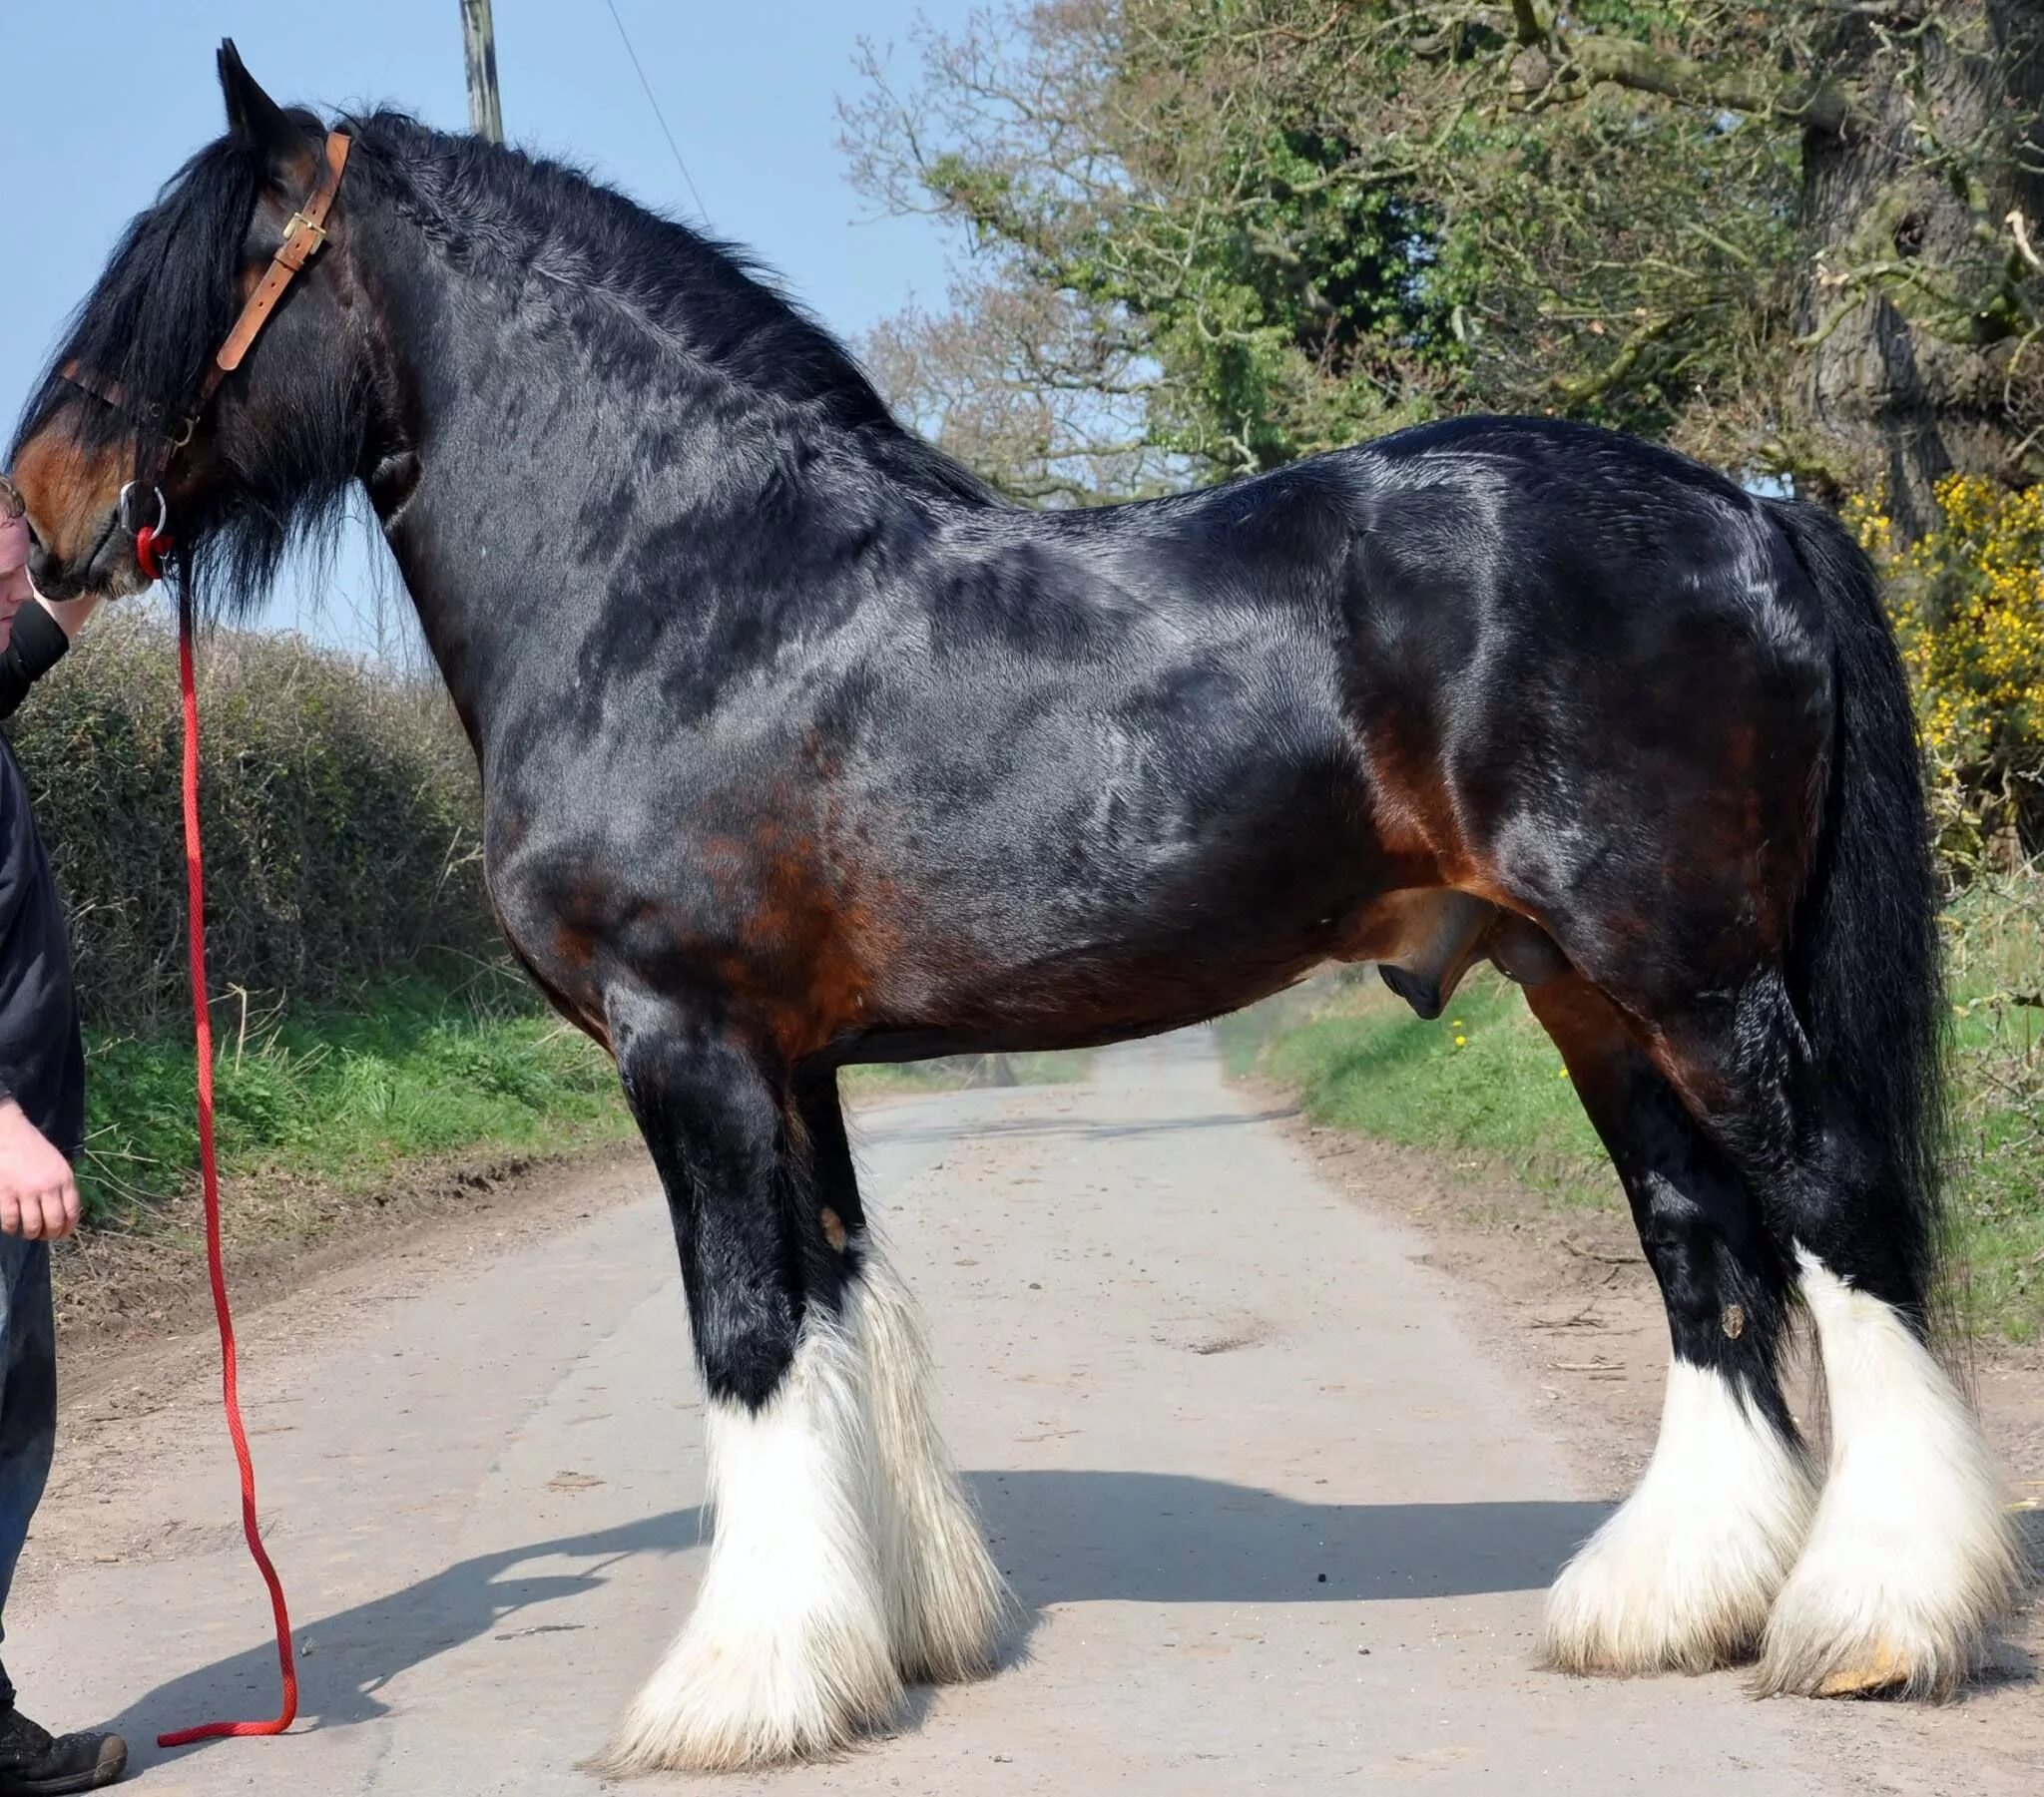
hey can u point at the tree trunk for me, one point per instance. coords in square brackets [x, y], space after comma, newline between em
[1921, 376]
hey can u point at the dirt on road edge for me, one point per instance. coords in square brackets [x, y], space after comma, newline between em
[119, 1293]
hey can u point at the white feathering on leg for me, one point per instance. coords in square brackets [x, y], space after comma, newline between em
[787, 1654]
[1680, 1577]
[1913, 1556]
[944, 1596]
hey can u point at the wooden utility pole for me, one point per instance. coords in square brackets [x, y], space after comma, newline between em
[479, 37]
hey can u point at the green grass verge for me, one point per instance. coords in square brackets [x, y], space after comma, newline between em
[1482, 1080]
[414, 1070]
[1359, 1060]
[1995, 935]
[346, 1098]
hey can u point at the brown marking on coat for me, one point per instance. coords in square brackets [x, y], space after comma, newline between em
[69, 489]
[1589, 1031]
[794, 955]
[1412, 807]
[834, 1229]
[829, 945]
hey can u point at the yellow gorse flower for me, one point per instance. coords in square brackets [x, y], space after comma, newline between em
[1968, 601]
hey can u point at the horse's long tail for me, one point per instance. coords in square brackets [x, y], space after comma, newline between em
[1866, 970]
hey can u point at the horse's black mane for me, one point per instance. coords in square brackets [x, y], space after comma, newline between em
[168, 297]
[479, 202]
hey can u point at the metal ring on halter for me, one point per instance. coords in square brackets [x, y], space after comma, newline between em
[163, 509]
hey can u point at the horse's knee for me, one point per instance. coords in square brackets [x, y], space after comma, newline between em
[735, 1173]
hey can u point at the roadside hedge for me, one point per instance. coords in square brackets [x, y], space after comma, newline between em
[342, 819]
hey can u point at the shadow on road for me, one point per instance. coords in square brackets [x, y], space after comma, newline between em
[1061, 1536]
[346, 1659]
[1092, 1128]
[1157, 1538]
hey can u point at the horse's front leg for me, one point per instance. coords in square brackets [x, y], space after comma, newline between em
[787, 1654]
[944, 1596]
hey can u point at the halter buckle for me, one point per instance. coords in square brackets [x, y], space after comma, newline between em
[297, 222]
[163, 510]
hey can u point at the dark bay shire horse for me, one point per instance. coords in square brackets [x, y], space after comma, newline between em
[798, 750]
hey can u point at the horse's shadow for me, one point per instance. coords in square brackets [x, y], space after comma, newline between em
[1061, 1538]
[1155, 1538]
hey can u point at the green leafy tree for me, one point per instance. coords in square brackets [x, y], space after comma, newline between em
[1795, 238]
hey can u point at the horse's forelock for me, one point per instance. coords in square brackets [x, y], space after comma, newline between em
[165, 298]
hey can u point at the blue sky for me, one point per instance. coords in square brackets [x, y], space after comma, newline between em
[104, 98]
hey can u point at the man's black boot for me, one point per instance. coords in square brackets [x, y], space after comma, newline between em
[33, 1764]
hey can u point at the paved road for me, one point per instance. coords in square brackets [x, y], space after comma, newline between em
[1273, 1522]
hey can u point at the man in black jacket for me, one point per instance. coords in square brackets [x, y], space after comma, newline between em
[42, 1124]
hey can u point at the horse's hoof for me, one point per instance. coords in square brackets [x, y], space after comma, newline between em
[1807, 1652]
[741, 1711]
[1882, 1670]
[1881, 1667]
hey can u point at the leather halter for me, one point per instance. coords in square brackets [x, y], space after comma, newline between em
[303, 235]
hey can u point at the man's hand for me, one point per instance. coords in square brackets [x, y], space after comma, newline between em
[38, 1194]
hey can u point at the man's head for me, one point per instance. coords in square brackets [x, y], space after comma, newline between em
[15, 590]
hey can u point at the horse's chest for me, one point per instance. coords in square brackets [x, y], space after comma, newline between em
[750, 914]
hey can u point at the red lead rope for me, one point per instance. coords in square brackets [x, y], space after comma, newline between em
[201, 1018]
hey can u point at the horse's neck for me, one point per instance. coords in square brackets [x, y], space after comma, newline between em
[537, 495]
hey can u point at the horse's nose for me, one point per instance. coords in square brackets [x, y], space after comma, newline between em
[43, 568]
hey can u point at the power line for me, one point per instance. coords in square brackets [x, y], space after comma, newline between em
[653, 101]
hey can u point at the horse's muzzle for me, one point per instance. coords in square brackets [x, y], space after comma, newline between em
[108, 570]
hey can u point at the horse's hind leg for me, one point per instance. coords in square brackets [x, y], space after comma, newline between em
[1680, 1578]
[943, 1596]
[787, 1653]
[1912, 1556]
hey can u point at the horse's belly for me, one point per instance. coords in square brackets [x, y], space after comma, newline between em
[1061, 940]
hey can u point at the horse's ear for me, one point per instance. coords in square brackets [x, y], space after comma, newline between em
[252, 117]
